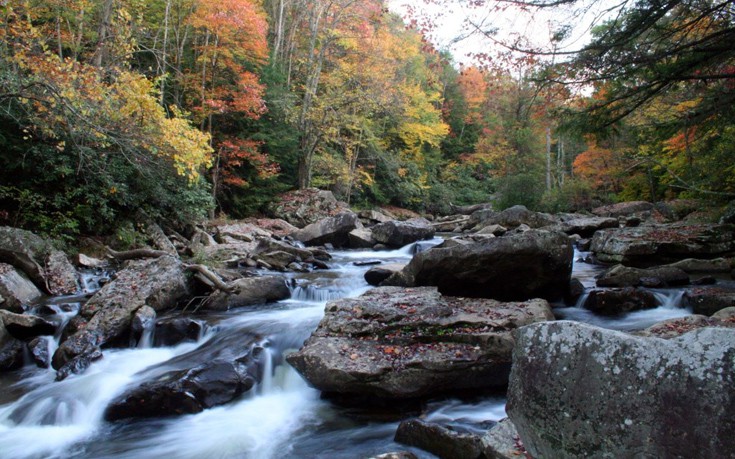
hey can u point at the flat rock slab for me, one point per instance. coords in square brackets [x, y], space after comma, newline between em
[395, 343]
[581, 391]
[659, 244]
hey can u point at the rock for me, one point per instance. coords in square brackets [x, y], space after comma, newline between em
[396, 455]
[726, 314]
[623, 276]
[159, 283]
[74, 325]
[673, 328]
[16, 289]
[535, 264]
[171, 331]
[704, 280]
[40, 351]
[11, 351]
[708, 301]
[374, 276]
[573, 385]
[304, 207]
[659, 244]
[330, 230]
[277, 260]
[495, 230]
[619, 301]
[510, 218]
[728, 214]
[372, 217]
[691, 265]
[439, 440]
[48, 268]
[393, 343]
[26, 326]
[78, 364]
[361, 238]
[238, 232]
[233, 364]
[89, 262]
[397, 234]
[623, 209]
[451, 224]
[587, 226]
[275, 226]
[471, 209]
[502, 442]
[251, 290]
[271, 245]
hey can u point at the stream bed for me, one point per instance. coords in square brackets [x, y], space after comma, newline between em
[281, 417]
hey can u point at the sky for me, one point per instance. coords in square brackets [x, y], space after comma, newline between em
[454, 23]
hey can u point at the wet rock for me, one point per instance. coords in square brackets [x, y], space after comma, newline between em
[495, 230]
[571, 386]
[535, 264]
[40, 351]
[11, 351]
[623, 276]
[304, 207]
[38, 259]
[26, 326]
[361, 238]
[704, 280]
[159, 283]
[510, 218]
[691, 265]
[74, 325]
[575, 292]
[502, 442]
[394, 343]
[373, 217]
[673, 328]
[623, 209]
[16, 289]
[239, 232]
[660, 244]
[439, 440]
[251, 290]
[89, 262]
[396, 455]
[397, 234]
[78, 364]
[709, 300]
[619, 301]
[171, 331]
[330, 230]
[277, 260]
[374, 276]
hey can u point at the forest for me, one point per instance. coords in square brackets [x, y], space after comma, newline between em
[188, 109]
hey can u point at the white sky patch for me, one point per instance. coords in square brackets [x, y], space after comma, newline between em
[457, 27]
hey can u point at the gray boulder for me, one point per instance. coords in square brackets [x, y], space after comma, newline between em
[330, 230]
[16, 289]
[660, 244]
[502, 442]
[624, 209]
[377, 274]
[170, 331]
[394, 343]
[618, 301]
[623, 276]
[361, 238]
[693, 265]
[534, 264]
[709, 300]
[673, 328]
[512, 217]
[11, 350]
[26, 326]
[247, 291]
[581, 391]
[441, 441]
[397, 234]
[159, 283]
[39, 349]
[303, 207]
[587, 226]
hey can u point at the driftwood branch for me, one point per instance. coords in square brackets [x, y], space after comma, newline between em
[469, 210]
[136, 253]
[210, 277]
[452, 222]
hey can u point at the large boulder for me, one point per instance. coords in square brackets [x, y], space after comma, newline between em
[587, 226]
[659, 244]
[377, 274]
[709, 300]
[330, 230]
[534, 264]
[303, 207]
[444, 442]
[673, 328]
[26, 326]
[159, 283]
[693, 265]
[47, 267]
[16, 290]
[618, 301]
[11, 350]
[624, 276]
[502, 442]
[394, 343]
[511, 217]
[247, 291]
[397, 234]
[361, 238]
[581, 391]
[623, 209]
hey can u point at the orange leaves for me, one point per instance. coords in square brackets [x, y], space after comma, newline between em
[236, 153]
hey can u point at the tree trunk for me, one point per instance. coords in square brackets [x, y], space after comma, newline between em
[548, 159]
[100, 53]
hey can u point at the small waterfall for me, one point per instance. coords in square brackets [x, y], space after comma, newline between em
[311, 293]
[670, 299]
[146, 337]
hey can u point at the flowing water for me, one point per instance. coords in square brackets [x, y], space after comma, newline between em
[281, 417]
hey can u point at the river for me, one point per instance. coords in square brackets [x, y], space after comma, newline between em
[281, 417]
